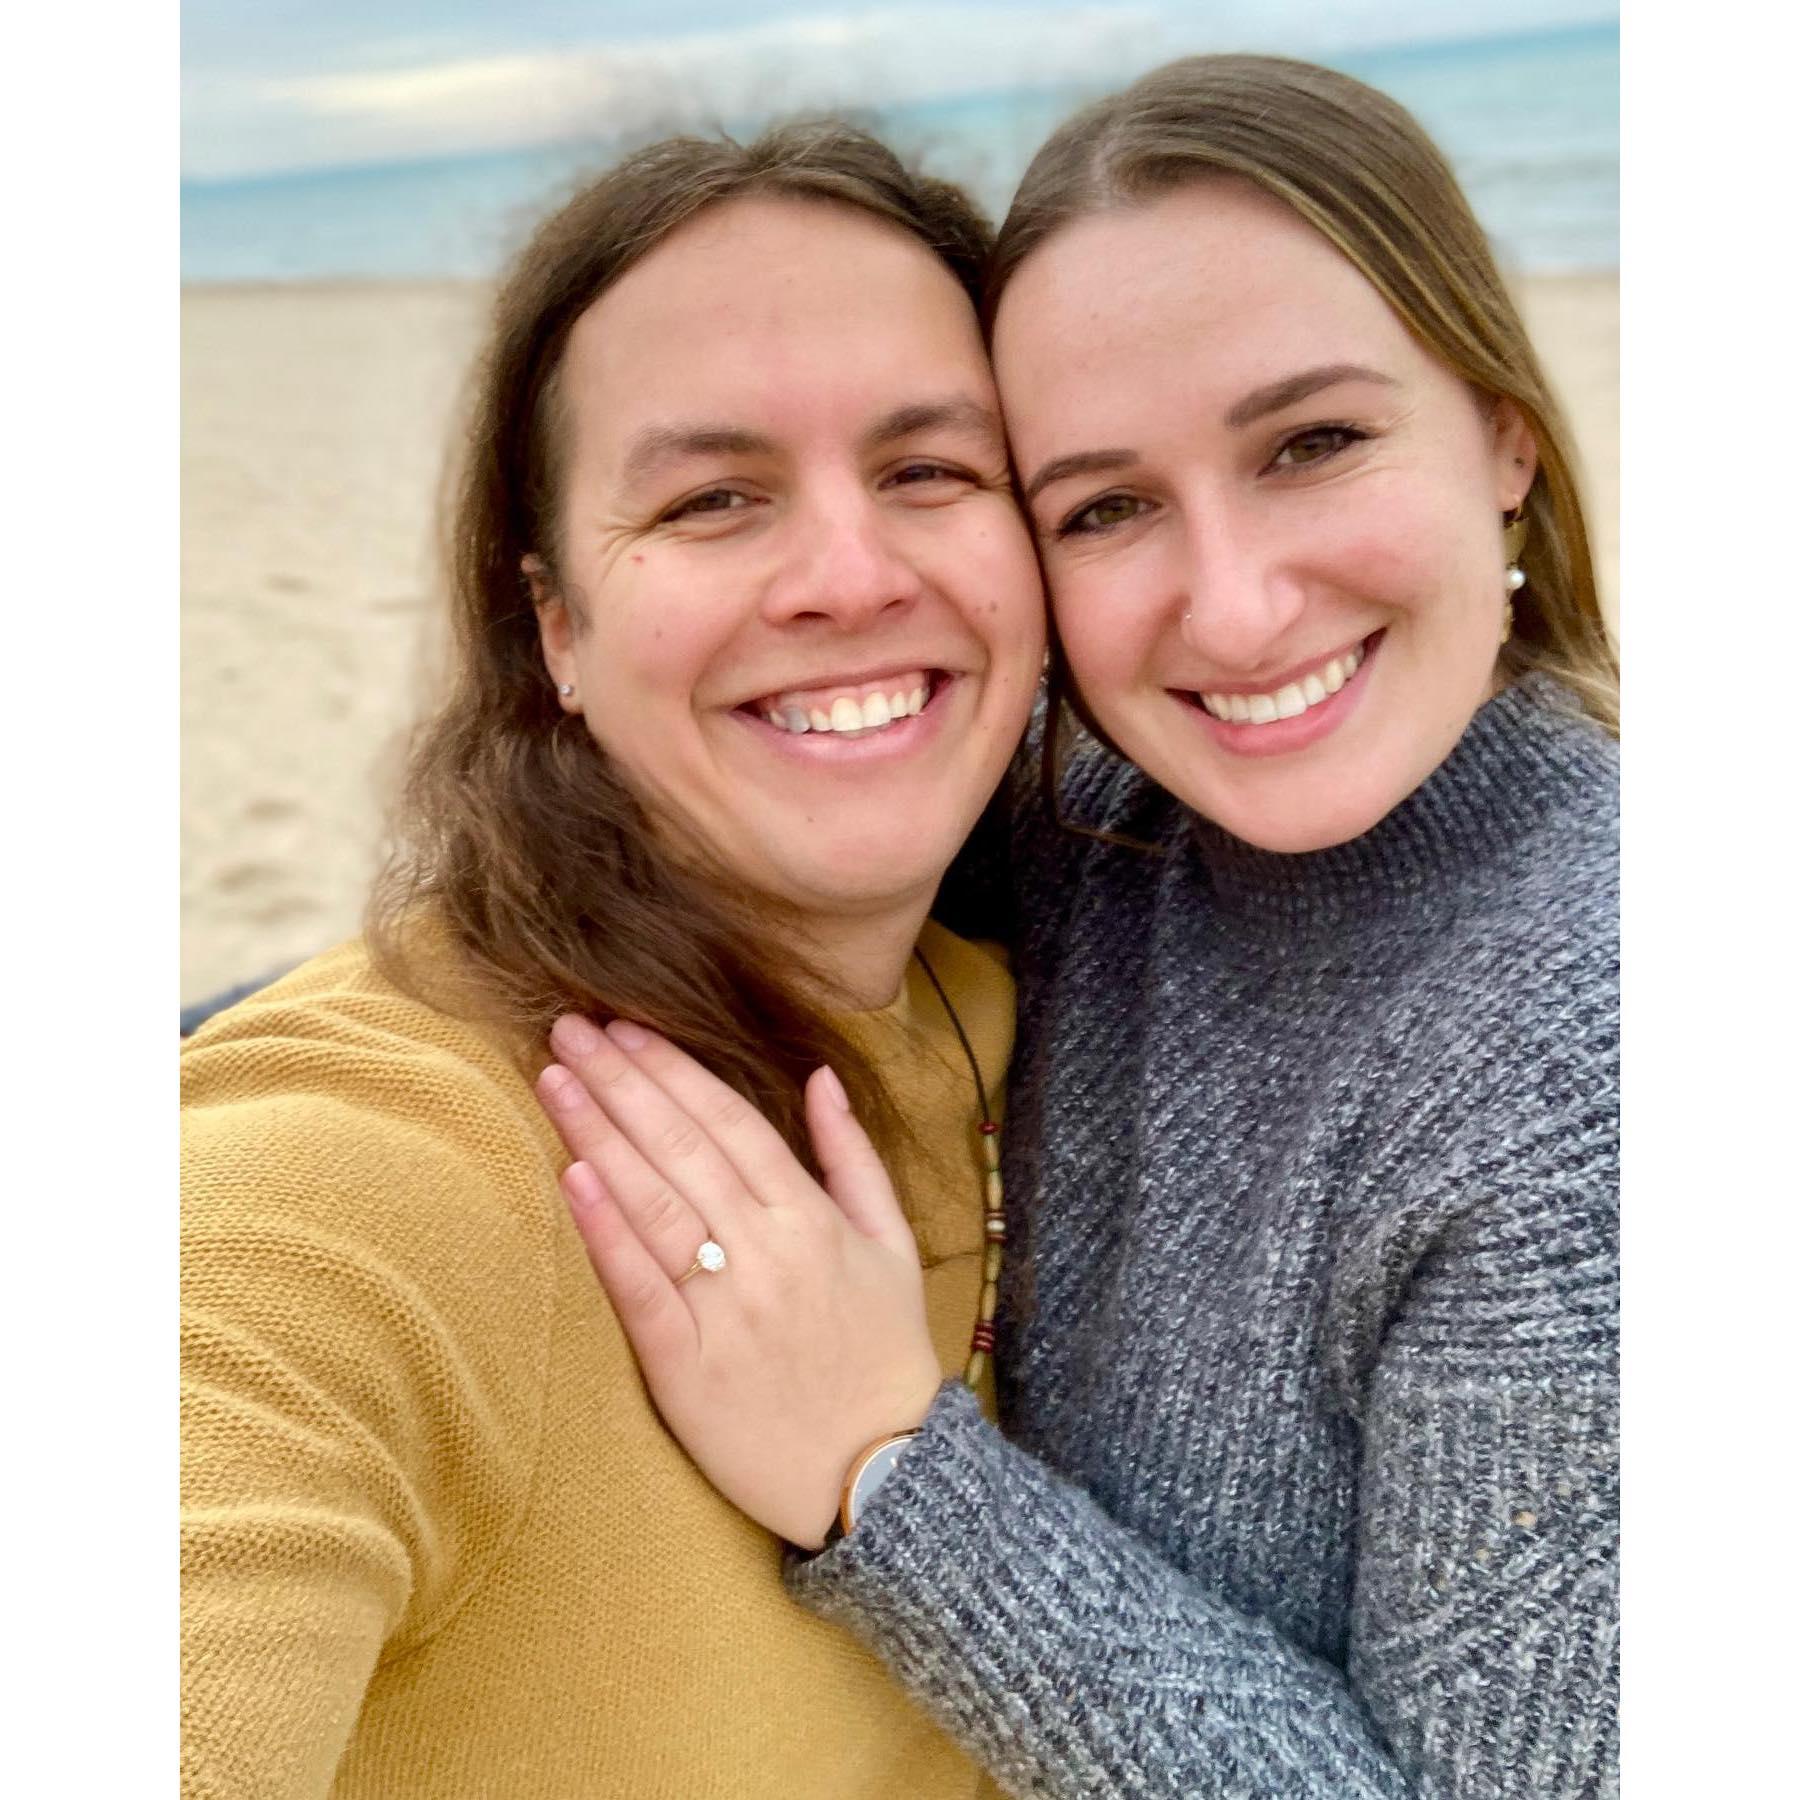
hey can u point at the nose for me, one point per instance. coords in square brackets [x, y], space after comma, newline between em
[844, 564]
[1238, 597]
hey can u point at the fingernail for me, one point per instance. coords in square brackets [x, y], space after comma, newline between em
[627, 1035]
[835, 1088]
[556, 1084]
[580, 1185]
[574, 1034]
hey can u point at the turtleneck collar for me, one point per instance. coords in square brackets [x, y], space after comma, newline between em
[1527, 754]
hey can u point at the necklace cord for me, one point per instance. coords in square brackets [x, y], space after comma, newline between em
[962, 1037]
[993, 1220]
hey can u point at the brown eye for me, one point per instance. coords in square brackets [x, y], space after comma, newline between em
[713, 501]
[915, 473]
[1315, 445]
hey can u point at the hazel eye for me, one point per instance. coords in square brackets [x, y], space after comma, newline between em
[1104, 514]
[1317, 444]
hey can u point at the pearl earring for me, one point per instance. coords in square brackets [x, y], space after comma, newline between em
[1513, 540]
[1515, 579]
[567, 688]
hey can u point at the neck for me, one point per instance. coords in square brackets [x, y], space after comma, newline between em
[865, 956]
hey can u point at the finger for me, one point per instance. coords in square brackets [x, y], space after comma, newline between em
[664, 1221]
[668, 1137]
[650, 1308]
[855, 1176]
[766, 1167]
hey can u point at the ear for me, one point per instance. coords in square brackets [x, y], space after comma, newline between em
[556, 631]
[1515, 454]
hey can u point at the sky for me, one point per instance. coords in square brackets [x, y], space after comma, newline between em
[299, 84]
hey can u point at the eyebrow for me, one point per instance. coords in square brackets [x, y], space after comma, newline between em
[1257, 404]
[1292, 389]
[959, 414]
[658, 445]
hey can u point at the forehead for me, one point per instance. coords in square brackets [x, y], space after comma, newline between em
[782, 315]
[1192, 299]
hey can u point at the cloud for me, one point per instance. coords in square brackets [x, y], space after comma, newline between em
[235, 123]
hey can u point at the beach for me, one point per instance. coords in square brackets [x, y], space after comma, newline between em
[315, 420]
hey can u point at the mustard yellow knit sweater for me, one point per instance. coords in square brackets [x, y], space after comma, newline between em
[436, 1541]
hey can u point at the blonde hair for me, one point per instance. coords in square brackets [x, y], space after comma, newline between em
[1357, 167]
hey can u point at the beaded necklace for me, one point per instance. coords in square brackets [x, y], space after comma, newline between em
[981, 1340]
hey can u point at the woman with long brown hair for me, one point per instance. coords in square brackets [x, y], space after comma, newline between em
[1307, 1348]
[747, 627]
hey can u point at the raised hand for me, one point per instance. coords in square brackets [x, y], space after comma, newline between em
[811, 1341]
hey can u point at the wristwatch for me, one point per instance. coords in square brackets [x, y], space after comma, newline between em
[867, 1473]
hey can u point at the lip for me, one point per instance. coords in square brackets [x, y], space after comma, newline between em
[1274, 683]
[1282, 736]
[831, 750]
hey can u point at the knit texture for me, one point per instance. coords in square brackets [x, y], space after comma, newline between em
[1308, 1364]
[436, 1542]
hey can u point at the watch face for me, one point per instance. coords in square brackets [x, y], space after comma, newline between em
[872, 1474]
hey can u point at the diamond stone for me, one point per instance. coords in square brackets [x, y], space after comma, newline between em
[710, 1257]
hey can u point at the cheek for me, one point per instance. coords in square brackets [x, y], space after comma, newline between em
[1108, 620]
[1407, 554]
[649, 642]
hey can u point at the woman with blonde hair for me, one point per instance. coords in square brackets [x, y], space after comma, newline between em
[1307, 1348]
[747, 629]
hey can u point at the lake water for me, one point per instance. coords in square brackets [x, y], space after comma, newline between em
[1531, 124]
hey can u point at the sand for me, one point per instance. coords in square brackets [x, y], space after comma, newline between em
[314, 423]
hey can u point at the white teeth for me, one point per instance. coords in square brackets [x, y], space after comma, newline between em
[1289, 702]
[847, 715]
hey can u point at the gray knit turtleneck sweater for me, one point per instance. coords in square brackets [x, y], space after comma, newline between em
[1308, 1358]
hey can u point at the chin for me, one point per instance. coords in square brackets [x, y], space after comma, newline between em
[851, 887]
[1304, 827]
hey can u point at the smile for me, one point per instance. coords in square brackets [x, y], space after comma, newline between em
[1287, 702]
[1292, 715]
[849, 711]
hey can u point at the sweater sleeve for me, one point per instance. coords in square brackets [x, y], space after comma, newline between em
[1074, 1659]
[364, 1321]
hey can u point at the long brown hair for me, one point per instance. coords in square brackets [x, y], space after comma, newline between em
[1358, 168]
[514, 830]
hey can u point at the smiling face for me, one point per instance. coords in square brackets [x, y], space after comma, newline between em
[793, 595]
[1270, 518]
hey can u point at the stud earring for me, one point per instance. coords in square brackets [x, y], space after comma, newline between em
[567, 688]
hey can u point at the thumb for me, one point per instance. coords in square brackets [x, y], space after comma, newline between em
[855, 1175]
